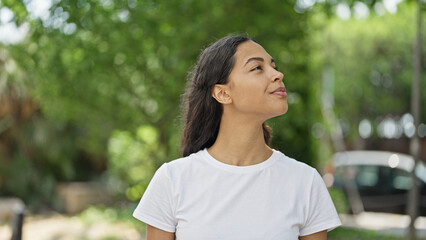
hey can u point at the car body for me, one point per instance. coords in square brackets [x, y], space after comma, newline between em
[381, 179]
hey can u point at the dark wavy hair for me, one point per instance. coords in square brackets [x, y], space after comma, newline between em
[202, 113]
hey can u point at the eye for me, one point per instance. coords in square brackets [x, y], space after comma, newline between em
[256, 68]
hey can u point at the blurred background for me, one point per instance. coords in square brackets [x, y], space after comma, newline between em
[90, 97]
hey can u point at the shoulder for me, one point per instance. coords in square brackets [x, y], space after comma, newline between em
[292, 164]
[299, 172]
[185, 164]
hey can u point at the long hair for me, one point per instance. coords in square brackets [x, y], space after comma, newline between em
[202, 113]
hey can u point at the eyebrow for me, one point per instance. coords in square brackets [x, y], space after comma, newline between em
[257, 59]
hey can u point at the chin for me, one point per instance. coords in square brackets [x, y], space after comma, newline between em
[279, 113]
[283, 110]
[282, 113]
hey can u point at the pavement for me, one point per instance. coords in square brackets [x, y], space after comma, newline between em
[386, 223]
[59, 227]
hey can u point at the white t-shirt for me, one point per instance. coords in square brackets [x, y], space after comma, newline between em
[199, 197]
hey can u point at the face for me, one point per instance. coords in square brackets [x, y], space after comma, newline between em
[255, 85]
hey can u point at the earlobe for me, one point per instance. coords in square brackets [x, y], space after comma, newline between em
[221, 94]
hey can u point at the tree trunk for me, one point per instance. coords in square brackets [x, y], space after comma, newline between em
[413, 204]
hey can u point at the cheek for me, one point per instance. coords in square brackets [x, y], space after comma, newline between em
[250, 95]
[250, 92]
[251, 86]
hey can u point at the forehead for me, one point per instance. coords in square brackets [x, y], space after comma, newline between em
[248, 50]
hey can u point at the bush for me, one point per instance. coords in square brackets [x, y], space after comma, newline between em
[339, 199]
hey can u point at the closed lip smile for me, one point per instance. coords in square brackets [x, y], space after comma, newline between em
[280, 92]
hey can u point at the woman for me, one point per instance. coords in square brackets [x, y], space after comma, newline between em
[230, 184]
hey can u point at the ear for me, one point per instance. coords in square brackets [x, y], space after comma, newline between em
[220, 92]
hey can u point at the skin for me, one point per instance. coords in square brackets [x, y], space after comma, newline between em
[153, 233]
[248, 100]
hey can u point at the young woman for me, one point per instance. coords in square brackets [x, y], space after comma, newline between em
[230, 184]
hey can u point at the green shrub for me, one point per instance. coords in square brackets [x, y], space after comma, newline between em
[340, 200]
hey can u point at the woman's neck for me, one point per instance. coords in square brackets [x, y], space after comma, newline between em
[240, 142]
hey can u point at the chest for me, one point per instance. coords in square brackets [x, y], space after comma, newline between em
[226, 206]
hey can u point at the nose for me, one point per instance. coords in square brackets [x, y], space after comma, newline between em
[278, 76]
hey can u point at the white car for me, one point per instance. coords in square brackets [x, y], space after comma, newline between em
[381, 180]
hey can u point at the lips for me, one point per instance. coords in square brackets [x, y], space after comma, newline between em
[280, 92]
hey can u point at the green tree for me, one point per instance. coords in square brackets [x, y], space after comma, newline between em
[372, 64]
[111, 67]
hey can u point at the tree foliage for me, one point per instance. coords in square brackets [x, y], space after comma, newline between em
[108, 69]
[372, 62]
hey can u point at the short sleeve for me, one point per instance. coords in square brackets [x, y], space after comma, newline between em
[156, 205]
[322, 214]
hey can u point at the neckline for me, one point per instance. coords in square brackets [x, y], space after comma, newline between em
[239, 169]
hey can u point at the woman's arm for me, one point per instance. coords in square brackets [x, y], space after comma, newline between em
[316, 236]
[153, 233]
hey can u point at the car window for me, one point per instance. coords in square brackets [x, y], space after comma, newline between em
[367, 176]
[401, 179]
[421, 172]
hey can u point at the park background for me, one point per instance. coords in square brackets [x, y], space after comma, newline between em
[90, 91]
